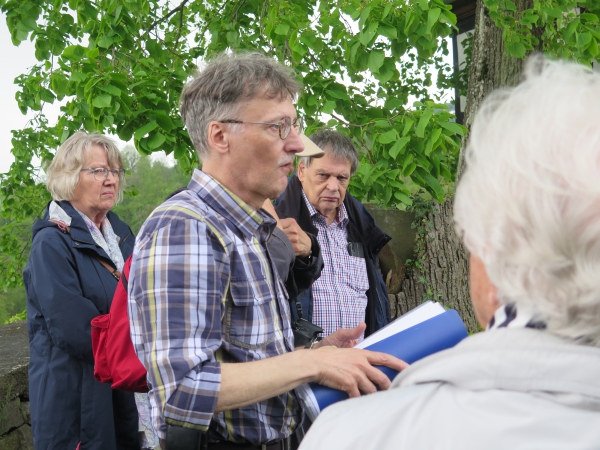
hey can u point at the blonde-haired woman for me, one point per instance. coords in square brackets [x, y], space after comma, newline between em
[70, 278]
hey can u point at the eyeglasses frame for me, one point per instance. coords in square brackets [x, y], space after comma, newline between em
[119, 174]
[297, 121]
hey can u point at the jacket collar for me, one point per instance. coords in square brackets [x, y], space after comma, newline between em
[78, 229]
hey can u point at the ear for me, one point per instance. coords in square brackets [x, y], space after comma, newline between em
[301, 171]
[218, 137]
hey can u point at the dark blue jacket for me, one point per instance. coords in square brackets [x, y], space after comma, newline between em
[66, 288]
[361, 228]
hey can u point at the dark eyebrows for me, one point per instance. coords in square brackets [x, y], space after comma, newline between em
[327, 174]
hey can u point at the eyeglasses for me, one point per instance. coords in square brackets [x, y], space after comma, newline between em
[101, 173]
[284, 127]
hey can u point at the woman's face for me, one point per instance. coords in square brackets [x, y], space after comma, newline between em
[92, 197]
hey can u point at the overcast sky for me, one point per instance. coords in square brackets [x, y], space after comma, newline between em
[15, 61]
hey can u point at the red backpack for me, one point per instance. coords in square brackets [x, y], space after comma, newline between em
[115, 359]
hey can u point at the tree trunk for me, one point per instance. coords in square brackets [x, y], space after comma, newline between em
[443, 260]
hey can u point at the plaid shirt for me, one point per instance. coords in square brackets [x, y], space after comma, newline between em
[202, 293]
[339, 295]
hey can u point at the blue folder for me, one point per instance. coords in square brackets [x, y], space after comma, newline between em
[430, 336]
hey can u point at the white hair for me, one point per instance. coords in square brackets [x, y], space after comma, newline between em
[528, 204]
[63, 172]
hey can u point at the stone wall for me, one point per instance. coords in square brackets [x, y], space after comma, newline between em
[15, 422]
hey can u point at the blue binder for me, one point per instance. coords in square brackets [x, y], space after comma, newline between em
[430, 336]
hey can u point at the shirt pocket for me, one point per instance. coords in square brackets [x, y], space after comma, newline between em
[356, 275]
[250, 316]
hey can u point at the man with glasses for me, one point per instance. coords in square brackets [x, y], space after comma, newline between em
[210, 317]
[350, 290]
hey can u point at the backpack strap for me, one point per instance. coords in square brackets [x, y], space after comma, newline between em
[62, 226]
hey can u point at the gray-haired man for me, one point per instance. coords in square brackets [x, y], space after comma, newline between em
[210, 317]
[350, 289]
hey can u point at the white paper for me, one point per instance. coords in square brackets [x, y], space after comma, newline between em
[413, 317]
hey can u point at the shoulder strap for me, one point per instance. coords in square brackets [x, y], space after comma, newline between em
[62, 226]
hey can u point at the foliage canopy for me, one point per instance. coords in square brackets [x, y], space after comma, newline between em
[118, 67]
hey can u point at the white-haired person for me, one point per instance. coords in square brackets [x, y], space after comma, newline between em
[528, 210]
[69, 279]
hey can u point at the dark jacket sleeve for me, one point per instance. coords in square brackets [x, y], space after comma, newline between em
[297, 274]
[306, 272]
[54, 285]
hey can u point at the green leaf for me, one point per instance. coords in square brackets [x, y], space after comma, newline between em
[376, 58]
[389, 136]
[435, 134]
[408, 126]
[364, 16]
[388, 32]
[102, 101]
[435, 187]
[453, 127]
[409, 169]
[516, 49]
[398, 146]
[282, 29]
[583, 40]
[403, 198]
[571, 28]
[114, 91]
[143, 131]
[432, 17]
[386, 10]
[555, 13]
[328, 107]
[367, 34]
[388, 194]
[155, 141]
[423, 121]
[105, 41]
[77, 77]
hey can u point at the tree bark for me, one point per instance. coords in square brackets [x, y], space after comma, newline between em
[443, 271]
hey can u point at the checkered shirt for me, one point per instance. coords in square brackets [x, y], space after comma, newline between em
[202, 293]
[339, 295]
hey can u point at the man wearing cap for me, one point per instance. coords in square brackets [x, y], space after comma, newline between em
[209, 315]
[350, 289]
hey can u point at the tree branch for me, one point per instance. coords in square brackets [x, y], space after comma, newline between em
[165, 17]
[180, 26]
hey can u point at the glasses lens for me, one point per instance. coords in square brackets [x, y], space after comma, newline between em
[298, 125]
[284, 129]
[100, 174]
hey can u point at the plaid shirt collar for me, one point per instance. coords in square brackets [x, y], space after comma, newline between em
[341, 217]
[248, 220]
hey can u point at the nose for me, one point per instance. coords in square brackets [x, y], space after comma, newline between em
[333, 184]
[293, 143]
[112, 178]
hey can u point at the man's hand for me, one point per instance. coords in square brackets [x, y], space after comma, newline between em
[299, 239]
[344, 337]
[351, 370]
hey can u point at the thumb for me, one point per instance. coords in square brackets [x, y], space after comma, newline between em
[347, 334]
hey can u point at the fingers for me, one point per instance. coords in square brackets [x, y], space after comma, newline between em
[299, 239]
[345, 337]
[352, 371]
[288, 223]
[352, 333]
[383, 359]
